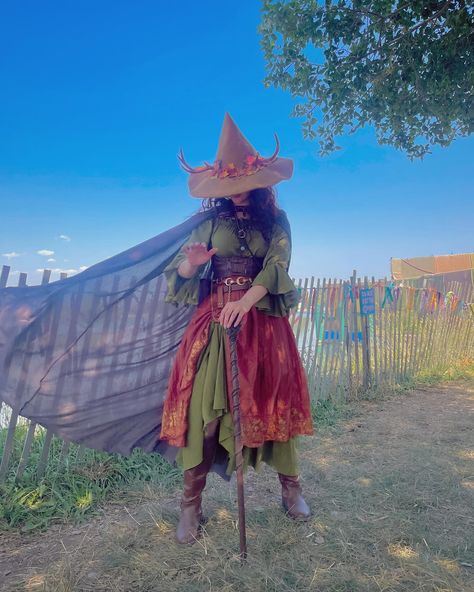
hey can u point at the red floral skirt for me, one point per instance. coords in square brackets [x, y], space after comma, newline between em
[274, 398]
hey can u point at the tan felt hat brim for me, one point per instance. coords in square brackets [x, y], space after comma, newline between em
[202, 185]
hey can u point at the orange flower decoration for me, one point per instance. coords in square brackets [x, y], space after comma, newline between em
[252, 164]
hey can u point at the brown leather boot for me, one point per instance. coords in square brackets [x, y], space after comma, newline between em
[191, 516]
[292, 498]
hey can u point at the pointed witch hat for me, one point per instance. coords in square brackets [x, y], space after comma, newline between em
[238, 167]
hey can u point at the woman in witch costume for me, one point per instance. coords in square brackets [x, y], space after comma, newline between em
[244, 250]
[103, 359]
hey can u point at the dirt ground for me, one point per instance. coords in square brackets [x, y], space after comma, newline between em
[391, 488]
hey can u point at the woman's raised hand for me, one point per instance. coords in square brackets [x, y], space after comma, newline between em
[197, 253]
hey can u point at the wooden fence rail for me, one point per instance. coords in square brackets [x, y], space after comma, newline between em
[353, 335]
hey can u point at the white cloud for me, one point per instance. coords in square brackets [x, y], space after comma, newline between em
[82, 267]
[65, 237]
[10, 255]
[45, 252]
[51, 259]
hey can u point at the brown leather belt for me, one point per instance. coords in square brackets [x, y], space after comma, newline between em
[222, 286]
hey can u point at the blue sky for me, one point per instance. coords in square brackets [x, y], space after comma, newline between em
[98, 97]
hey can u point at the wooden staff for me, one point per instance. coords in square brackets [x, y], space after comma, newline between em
[232, 333]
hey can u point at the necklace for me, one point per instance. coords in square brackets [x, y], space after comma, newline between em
[241, 230]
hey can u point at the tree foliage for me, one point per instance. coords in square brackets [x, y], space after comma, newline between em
[407, 68]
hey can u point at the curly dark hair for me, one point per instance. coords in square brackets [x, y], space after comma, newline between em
[263, 208]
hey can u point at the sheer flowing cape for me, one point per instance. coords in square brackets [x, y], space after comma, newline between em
[89, 356]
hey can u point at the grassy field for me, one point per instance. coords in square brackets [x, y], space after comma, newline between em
[73, 492]
[390, 481]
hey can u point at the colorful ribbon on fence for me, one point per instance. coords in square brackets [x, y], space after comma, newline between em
[424, 299]
[313, 304]
[388, 294]
[411, 298]
[348, 291]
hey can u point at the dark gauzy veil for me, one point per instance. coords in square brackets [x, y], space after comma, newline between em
[89, 356]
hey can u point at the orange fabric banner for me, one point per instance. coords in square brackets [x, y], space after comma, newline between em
[414, 267]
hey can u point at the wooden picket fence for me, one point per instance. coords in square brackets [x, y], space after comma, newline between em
[353, 335]
[346, 352]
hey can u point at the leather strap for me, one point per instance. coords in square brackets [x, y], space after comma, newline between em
[221, 289]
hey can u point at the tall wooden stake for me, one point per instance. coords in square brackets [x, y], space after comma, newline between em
[232, 333]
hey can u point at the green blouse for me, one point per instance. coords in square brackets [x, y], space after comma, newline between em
[282, 293]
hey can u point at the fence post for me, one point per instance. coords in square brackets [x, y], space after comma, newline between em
[347, 337]
[365, 343]
[7, 451]
[355, 329]
[25, 455]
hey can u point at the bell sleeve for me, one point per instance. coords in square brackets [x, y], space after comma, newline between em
[282, 293]
[186, 290]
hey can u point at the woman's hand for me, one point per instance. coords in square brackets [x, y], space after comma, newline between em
[233, 313]
[198, 254]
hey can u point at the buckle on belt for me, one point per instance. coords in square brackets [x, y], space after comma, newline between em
[240, 281]
[228, 282]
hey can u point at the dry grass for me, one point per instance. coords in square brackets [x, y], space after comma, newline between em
[392, 490]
